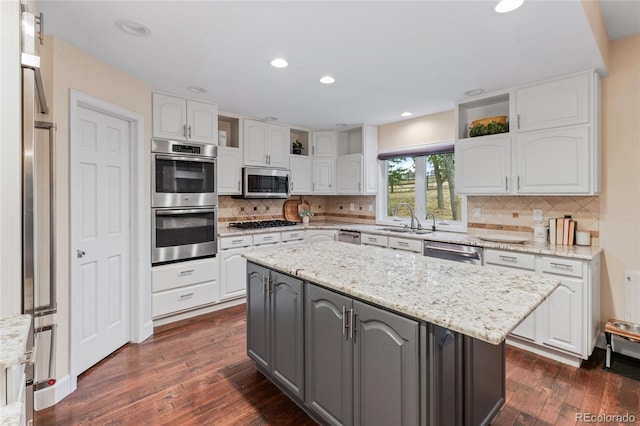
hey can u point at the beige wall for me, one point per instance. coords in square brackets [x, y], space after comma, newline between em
[417, 131]
[74, 69]
[620, 197]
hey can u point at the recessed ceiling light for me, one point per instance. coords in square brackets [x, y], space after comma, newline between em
[406, 114]
[133, 28]
[279, 63]
[505, 6]
[473, 92]
[197, 89]
[327, 79]
[270, 118]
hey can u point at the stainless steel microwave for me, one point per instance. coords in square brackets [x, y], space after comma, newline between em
[263, 182]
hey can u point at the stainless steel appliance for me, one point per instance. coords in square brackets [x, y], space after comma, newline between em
[181, 234]
[455, 252]
[183, 175]
[351, 237]
[263, 182]
[38, 273]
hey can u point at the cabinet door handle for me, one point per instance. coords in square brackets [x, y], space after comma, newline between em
[313, 187]
[352, 323]
[562, 266]
[506, 183]
[447, 334]
[187, 272]
[518, 183]
[344, 320]
[184, 130]
[189, 130]
[314, 150]
[359, 186]
[509, 258]
[518, 121]
[264, 285]
[238, 186]
[186, 296]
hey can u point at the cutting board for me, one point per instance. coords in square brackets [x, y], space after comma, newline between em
[303, 206]
[291, 210]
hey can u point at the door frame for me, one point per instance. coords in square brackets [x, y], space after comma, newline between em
[140, 323]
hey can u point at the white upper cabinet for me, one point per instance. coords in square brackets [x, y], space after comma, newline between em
[356, 164]
[301, 174]
[487, 165]
[323, 143]
[184, 119]
[553, 161]
[229, 171]
[552, 146]
[265, 144]
[558, 103]
[323, 175]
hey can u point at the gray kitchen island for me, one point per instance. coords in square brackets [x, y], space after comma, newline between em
[372, 336]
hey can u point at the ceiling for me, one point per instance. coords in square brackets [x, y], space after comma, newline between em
[387, 57]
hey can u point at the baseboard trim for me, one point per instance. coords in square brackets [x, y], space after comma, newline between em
[48, 397]
[200, 311]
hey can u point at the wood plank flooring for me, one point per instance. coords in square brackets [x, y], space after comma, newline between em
[196, 372]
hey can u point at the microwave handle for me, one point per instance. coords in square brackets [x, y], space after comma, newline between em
[188, 211]
[182, 158]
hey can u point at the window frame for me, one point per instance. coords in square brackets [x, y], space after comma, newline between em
[420, 182]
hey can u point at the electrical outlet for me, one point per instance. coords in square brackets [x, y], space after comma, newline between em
[477, 212]
[370, 207]
[537, 214]
[352, 207]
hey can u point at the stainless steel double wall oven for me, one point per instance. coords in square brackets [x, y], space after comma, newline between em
[184, 201]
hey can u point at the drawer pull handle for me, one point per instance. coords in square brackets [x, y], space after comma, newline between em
[186, 296]
[403, 243]
[509, 258]
[187, 272]
[268, 238]
[561, 265]
[237, 241]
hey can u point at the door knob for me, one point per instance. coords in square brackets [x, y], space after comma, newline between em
[81, 254]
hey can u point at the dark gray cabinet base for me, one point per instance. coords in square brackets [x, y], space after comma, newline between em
[347, 362]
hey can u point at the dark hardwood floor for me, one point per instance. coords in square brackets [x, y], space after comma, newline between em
[196, 372]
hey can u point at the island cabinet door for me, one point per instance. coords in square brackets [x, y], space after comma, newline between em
[446, 351]
[287, 363]
[329, 392]
[258, 314]
[386, 367]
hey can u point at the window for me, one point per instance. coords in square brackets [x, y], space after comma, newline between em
[424, 181]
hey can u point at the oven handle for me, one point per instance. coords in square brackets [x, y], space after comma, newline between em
[181, 158]
[189, 211]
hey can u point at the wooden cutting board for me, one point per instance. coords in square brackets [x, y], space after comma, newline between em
[291, 211]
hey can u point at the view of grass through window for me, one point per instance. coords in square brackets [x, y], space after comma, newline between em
[438, 185]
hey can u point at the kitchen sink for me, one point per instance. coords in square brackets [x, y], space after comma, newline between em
[407, 231]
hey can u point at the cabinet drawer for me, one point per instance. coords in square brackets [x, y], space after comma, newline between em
[510, 259]
[183, 298]
[374, 240]
[181, 274]
[554, 265]
[238, 241]
[408, 245]
[273, 237]
[292, 235]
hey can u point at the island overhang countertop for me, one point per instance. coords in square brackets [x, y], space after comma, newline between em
[483, 303]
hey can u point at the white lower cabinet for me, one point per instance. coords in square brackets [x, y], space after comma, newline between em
[396, 243]
[182, 286]
[317, 235]
[233, 266]
[374, 240]
[565, 326]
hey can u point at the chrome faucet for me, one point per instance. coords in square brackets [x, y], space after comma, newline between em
[433, 227]
[395, 213]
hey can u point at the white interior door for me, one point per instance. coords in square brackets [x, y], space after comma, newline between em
[99, 237]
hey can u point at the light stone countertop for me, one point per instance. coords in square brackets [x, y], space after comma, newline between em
[14, 331]
[576, 252]
[11, 415]
[483, 303]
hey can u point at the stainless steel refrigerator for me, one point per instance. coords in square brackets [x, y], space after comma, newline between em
[38, 233]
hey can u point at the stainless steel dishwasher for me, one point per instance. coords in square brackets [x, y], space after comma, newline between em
[352, 237]
[455, 252]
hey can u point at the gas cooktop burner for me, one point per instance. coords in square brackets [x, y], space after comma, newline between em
[261, 224]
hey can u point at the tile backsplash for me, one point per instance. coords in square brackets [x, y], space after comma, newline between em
[515, 213]
[331, 207]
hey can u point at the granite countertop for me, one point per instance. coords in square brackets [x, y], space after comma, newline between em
[11, 415]
[483, 303]
[13, 339]
[576, 252]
